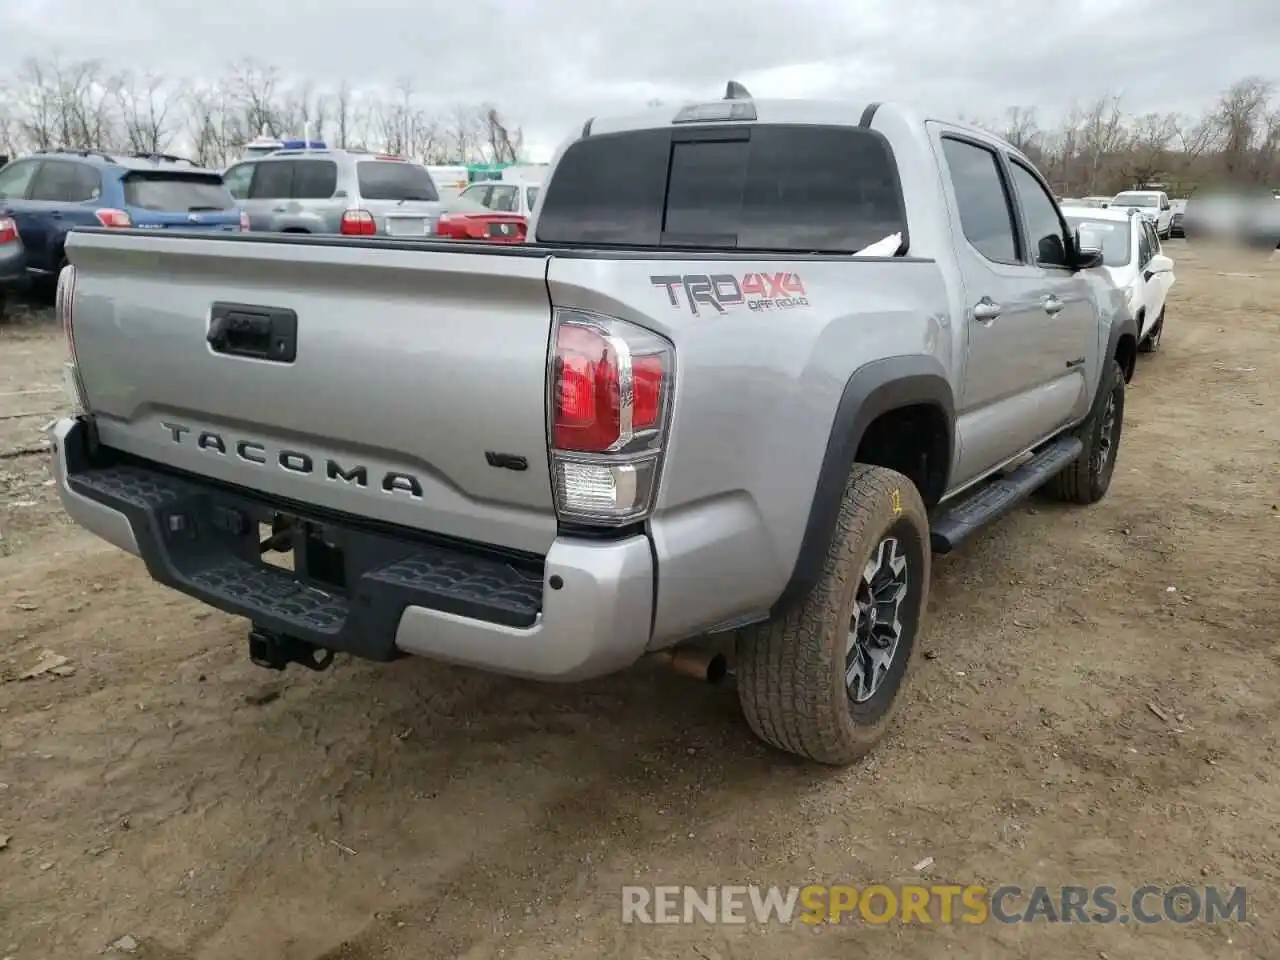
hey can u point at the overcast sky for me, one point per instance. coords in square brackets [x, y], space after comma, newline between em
[550, 64]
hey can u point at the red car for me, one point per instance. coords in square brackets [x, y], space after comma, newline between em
[466, 220]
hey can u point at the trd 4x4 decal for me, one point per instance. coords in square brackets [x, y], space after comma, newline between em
[720, 291]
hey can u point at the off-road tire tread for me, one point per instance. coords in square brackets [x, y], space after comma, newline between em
[785, 666]
[1074, 484]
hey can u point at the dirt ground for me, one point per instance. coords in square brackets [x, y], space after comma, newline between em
[1097, 704]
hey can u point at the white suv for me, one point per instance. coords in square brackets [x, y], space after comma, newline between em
[1154, 206]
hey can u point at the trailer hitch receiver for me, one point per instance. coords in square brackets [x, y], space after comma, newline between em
[275, 651]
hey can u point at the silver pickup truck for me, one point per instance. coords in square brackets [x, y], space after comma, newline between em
[760, 361]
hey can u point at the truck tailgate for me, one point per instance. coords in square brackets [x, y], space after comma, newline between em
[415, 371]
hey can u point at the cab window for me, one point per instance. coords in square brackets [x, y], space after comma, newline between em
[1046, 236]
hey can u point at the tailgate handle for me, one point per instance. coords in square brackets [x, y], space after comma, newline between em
[261, 333]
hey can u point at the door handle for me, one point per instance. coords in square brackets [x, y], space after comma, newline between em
[55, 214]
[1052, 305]
[279, 209]
[986, 310]
[261, 333]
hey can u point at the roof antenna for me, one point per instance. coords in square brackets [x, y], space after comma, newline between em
[736, 91]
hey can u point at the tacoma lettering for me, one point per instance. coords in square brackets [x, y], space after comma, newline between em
[295, 461]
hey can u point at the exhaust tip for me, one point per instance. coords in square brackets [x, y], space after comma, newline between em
[718, 668]
[700, 665]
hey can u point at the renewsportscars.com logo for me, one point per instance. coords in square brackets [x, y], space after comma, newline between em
[720, 291]
[932, 904]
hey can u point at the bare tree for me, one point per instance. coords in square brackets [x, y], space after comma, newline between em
[1238, 115]
[342, 114]
[1150, 136]
[204, 119]
[145, 104]
[52, 102]
[1102, 137]
[504, 143]
[36, 102]
[1020, 128]
[253, 89]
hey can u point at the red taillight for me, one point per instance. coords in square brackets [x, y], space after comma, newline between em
[604, 392]
[8, 230]
[358, 223]
[586, 391]
[113, 218]
[499, 229]
[244, 222]
[647, 375]
[610, 385]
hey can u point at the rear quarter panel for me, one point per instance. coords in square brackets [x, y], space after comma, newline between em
[756, 396]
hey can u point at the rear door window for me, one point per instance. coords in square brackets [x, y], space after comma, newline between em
[314, 179]
[786, 188]
[394, 180]
[982, 199]
[176, 193]
[1144, 246]
[62, 181]
[272, 180]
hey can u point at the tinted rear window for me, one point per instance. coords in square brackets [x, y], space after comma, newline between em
[176, 193]
[392, 180]
[774, 187]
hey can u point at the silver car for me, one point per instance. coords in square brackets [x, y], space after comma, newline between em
[335, 191]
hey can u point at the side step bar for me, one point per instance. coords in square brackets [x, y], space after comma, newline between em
[958, 521]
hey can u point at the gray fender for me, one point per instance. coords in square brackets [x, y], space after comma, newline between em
[872, 390]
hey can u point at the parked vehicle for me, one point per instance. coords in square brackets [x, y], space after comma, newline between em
[462, 219]
[774, 391]
[1152, 205]
[504, 197]
[265, 145]
[450, 181]
[48, 194]
[1249, 217]
[1178, 211]
[336, 191]
[13, 261]
[1132, 256]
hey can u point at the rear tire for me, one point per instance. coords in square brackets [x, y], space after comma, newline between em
[1152, 343]
[4, 302]
[822, 680]
[1087, 480]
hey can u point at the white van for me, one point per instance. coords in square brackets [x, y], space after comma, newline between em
[449, 181]
[516, 192]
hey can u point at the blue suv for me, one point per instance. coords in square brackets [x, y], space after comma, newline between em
[50, 193]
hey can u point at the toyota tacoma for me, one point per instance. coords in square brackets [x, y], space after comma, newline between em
[758, 363]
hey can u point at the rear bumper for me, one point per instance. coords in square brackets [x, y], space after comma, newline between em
[13, 265]
[582, 611]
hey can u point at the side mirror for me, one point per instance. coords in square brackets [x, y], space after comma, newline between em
[1086, 256]
[1160, 264]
